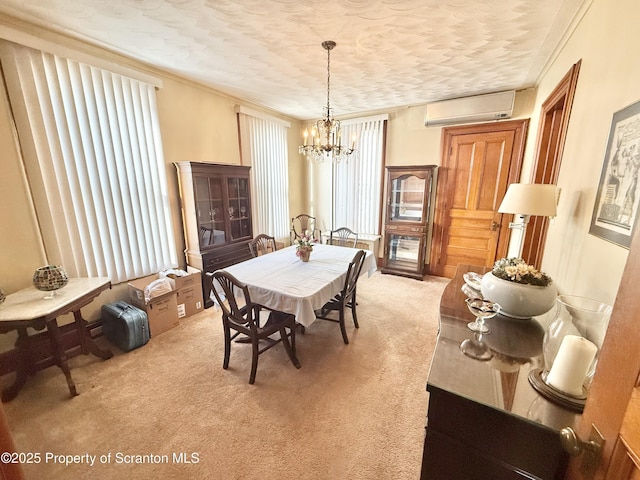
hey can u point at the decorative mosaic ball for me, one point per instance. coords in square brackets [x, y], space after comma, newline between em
[50, 277]
[2, 295]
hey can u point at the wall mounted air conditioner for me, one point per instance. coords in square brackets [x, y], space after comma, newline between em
[479, 108]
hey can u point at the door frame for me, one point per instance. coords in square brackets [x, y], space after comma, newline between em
[441, 212]
[552, 132]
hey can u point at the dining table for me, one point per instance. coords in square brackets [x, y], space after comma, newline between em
[281, 281]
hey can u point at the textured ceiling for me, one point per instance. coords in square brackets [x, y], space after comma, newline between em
[390, 53]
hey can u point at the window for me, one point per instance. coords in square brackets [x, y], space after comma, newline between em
[357, 182]
[263, 141]
[93, 156]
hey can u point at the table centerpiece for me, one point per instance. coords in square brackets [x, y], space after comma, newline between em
[304, 246]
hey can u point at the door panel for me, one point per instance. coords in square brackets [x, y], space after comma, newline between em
[480, 163]
[625, 463]
[470, 238]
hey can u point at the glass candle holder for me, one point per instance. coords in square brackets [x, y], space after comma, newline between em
[578, 316]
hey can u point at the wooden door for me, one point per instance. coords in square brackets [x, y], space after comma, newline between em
[554, 122]
[9, 469]
[478, 164]
[615, 384]
[625, 463]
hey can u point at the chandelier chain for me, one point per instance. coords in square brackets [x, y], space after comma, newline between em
[328, 79]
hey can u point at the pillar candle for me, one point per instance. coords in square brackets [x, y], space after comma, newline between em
[571, 364]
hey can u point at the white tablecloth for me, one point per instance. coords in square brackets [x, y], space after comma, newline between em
[281, 281]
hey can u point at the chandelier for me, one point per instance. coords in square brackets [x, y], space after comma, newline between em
[326, 135]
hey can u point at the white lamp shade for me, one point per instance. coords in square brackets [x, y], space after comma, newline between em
[530, 199]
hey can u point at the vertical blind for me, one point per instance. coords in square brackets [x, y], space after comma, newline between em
[93, 156]
[264, 146]
[357, 182]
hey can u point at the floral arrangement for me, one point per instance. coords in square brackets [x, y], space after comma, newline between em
[516, 270]
[304, 243]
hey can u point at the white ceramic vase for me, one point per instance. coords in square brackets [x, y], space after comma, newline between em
[518, 300]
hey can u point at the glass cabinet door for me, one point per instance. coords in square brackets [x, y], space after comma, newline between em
[404, 252]
[239, 209]
[406, 199]
[209, 209]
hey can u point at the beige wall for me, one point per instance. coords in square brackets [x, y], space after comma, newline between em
[409, 142]
[199, 124]
[21, 251]
[606, 40]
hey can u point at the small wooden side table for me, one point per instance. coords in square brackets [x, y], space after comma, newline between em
[28, 308]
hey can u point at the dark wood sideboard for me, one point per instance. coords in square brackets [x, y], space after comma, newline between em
[484, 420]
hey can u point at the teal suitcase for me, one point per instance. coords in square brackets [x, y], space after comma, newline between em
[125, 325]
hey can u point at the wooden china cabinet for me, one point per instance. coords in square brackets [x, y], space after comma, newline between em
[216, 216]
[408, 219]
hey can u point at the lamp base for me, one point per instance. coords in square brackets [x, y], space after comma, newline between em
[554, 395]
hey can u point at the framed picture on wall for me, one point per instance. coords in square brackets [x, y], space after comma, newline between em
[615, 212]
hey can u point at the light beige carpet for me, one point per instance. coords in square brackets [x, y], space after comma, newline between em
[352, 411]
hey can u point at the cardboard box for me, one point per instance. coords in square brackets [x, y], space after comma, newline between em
[162, 311]
[187, 281]
[189, 292]
[190, 301]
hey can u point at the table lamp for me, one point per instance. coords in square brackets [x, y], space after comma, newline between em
[526, 199]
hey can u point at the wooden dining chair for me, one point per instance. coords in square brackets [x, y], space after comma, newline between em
[346, 298]
[343, 237]
[245, 320]
[262, 244]
[301, 224]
